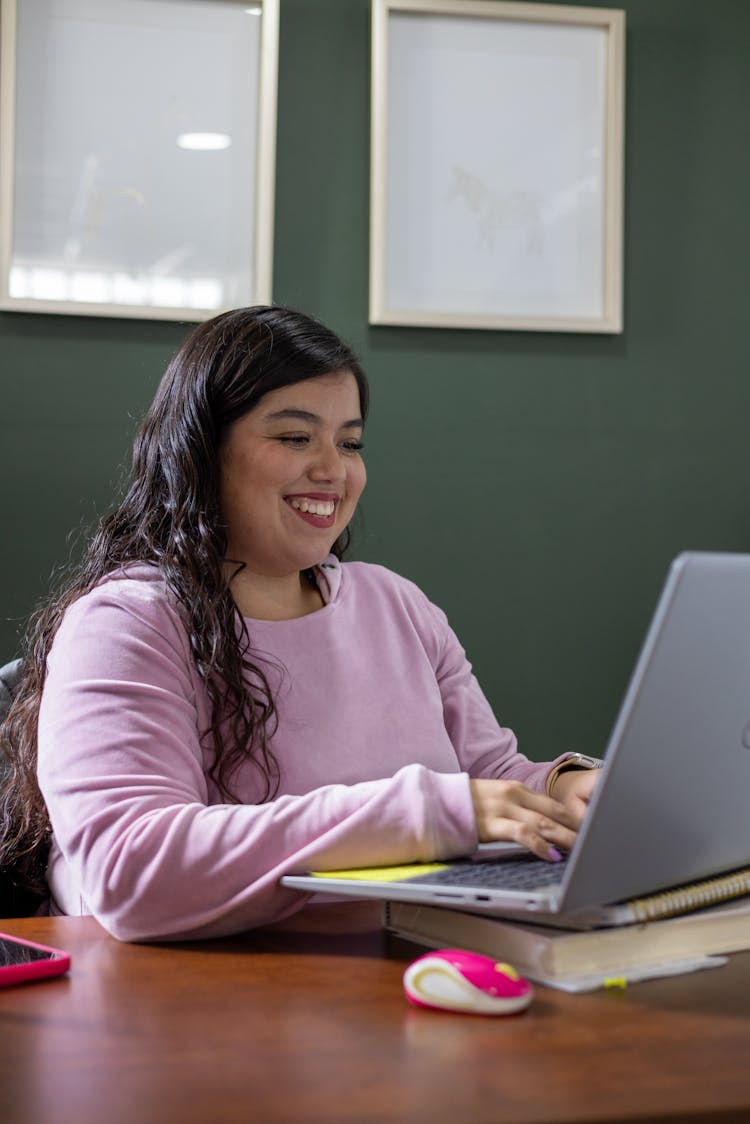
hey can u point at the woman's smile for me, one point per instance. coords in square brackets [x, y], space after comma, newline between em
[318, 509]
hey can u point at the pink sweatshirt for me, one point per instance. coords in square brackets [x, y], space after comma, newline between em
[381, 724]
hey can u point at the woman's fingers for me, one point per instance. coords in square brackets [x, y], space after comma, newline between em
[511, 798]
[510, 811]
[546, 844]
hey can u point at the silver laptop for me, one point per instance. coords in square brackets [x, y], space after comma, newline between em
[672, 803]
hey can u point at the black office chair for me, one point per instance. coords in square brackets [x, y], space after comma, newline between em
[15, 899]
[10, 676]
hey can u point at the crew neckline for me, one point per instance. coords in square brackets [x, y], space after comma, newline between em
[327, 576]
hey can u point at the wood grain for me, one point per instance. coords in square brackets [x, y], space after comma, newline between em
[296, 1026]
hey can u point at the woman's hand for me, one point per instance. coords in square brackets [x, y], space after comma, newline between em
[508, 810]
[573, 789]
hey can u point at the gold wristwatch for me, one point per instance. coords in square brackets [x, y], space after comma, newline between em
[573, 761]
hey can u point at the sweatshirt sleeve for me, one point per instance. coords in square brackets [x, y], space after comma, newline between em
[484, 747]
[122, 769]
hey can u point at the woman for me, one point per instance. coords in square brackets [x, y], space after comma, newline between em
[218, 700]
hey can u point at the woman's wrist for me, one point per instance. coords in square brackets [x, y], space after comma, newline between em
[575, 761]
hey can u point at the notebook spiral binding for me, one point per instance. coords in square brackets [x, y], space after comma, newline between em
[695, 896]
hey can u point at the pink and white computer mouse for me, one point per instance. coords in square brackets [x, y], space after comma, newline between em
[453, 980]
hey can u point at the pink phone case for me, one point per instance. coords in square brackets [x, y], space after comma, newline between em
[16, 967]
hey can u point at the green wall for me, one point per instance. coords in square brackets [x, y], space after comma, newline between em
[535, 485]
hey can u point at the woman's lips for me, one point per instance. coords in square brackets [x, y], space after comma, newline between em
[317, 510]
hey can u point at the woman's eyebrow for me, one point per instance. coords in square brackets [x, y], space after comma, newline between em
[313, 419]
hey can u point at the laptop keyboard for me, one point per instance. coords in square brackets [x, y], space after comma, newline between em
[519, 873]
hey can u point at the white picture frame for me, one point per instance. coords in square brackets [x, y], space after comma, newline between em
[137, 156]
[497, 134]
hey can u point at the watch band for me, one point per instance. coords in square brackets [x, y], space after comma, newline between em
[572, 761]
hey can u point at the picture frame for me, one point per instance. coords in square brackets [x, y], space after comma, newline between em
[497, 135]
[137, 156]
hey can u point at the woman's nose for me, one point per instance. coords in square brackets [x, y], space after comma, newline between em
[326, 464]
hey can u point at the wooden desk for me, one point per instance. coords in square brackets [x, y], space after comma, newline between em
[308, 1027]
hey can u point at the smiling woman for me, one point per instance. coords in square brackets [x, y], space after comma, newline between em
[215, 699]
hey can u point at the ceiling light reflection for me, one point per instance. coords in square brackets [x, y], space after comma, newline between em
[204, 142]
[91, 287]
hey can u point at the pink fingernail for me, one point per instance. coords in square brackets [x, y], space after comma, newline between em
[554, 854]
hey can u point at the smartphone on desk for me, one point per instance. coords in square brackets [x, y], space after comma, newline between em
[22, 960]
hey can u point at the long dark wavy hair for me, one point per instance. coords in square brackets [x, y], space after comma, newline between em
[171, 517]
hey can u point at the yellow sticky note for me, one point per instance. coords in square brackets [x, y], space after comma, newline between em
[381, 873]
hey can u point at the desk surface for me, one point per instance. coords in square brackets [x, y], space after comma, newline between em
[311, 1027]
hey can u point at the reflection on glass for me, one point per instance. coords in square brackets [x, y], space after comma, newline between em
[136, 147]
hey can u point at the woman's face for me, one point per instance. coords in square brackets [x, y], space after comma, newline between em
[292, 473]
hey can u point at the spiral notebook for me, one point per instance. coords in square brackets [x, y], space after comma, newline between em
[670, 808]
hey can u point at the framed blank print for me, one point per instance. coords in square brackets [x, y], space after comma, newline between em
[137, 151]
[497, 165]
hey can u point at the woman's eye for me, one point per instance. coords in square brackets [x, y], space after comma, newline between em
[295, 439]
[303, 440]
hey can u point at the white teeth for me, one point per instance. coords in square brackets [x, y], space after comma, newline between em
[321, 508]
